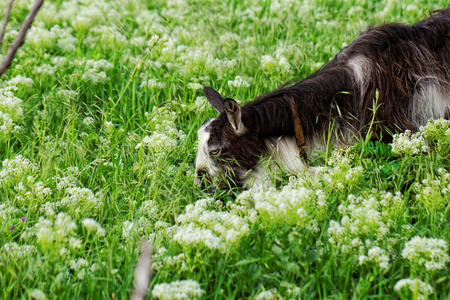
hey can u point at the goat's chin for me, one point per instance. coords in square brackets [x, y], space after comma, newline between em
[256, 180]
[261, 179]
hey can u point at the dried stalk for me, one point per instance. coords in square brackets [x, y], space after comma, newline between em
[20, 37]
[143, 272]
[5, 21]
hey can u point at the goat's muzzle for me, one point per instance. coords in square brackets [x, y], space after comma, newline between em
[211, 183]
[204, 180]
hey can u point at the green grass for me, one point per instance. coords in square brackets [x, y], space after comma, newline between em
[134, 177]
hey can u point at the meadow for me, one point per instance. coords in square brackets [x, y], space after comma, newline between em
[99, 115]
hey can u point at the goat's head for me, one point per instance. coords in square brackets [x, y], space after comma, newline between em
[228, 146]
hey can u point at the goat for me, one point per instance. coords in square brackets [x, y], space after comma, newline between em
[404, 69]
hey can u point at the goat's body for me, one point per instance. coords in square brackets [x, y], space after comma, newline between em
[401, 72]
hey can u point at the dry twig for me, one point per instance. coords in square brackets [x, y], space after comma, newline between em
[143, 272]
[5, 21]
[20, 37]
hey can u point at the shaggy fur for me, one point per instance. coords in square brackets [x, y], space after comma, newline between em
[403, 71]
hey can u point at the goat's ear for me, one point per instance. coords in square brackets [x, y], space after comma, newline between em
[214, 98]
[233, 111]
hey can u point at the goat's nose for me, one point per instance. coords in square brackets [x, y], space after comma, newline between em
[204, 180]
[201, 175]
[201, 172]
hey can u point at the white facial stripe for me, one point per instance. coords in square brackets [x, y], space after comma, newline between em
[203, 159]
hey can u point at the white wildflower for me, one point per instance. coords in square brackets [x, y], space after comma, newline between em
[153, 83]
[93, 226]
[430, 253]
[16, 252]
[409, 144]
[20, 81]
[81, 201]
[88, 121]
[36, 294]
[16, 169]
[184, 289]
[149, 209]
[271, 294]
[239, 81]
[45, 69]
[194, 86]
[422, 289]
[377, 255]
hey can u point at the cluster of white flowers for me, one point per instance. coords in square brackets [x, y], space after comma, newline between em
[55, 235]
[365, 221]
[161, 260]
[194, 86]
[434, 194]
[417, 287]
[94, 70]
[80, 202]
[153, 84]
[165, 137]
[295, 206]
[25, 256]
[178, 290]
[38, 37]
[279, 63]
[271, 294]
[7, 213]
[19, 81]
[376, 255]
[11, 112]
[197, 60]
[109, 128]
[240, 82]
[200, 103]
[203, 226]
[81, 16]
[408, 143]
[437, 132]
[67, 181]
[427, 252]
[16, 169]
[339, 173]
[31, 191]
[7, 126]
[129, 230]
[158, 143]
[292, 291]
[80, 267]
[66, 94]
[107, 36]
[339, 176]
[150, 210]
[436, 127]
[45, 69]
[93, 226]
[88, 121]
[16, 252]
[341, 157]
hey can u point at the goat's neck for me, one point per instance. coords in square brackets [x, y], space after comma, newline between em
[272, 116]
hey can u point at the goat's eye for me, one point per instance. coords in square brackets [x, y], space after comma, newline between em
[214, 152]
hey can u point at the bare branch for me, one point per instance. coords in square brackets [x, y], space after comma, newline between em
[143, 272]
[20, 37]
[5, 21]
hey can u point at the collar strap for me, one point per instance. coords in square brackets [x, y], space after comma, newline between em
[299, 136]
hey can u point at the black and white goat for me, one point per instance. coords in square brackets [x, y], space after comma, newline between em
[405, 69]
